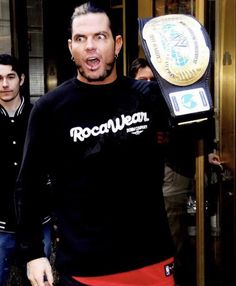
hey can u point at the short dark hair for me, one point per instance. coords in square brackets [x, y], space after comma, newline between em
[97, 7]
[9, 60]
[136, 65]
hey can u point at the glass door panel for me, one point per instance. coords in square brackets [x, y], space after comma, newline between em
[163, 7]
[5, 27]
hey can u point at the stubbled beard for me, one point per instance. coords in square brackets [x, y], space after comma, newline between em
[106, 73]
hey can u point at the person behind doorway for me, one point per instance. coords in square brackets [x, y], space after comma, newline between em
[140, 69]
[95, 135]
[14, 114]
[178, 183]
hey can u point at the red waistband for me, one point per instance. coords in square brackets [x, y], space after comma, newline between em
[159, 274]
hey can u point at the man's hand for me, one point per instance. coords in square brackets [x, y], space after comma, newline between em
[39, 272]
[214, 159]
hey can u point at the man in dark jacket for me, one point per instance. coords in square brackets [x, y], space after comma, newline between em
[14, 113]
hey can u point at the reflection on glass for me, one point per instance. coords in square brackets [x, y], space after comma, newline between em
[163, 7]
[36, 53]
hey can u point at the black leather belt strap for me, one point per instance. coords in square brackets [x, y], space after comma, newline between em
[178, 50]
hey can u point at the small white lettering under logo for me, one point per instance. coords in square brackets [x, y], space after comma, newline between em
[137, 129]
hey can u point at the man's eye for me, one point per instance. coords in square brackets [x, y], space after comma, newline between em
[79, 39]
[101, 37]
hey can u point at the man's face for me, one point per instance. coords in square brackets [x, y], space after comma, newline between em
[9, 84]
[145, 74]
[93, 48]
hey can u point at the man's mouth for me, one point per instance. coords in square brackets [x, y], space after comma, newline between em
[93, 63]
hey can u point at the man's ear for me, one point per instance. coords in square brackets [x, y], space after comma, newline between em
[22, 79]
[118, 44]
[69, 46]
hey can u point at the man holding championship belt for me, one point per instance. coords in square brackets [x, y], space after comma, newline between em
[95, 135]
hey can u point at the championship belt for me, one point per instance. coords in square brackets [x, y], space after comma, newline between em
[178, 50]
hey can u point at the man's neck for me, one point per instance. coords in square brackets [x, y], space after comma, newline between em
[11, 106]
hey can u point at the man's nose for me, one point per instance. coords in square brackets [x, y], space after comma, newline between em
[4, 82]
[90, 44]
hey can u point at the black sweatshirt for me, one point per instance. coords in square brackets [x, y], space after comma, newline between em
[98, 144]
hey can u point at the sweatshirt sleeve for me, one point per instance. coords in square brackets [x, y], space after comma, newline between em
[29, 186]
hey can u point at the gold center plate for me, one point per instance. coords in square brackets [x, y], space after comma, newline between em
[177, 48]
